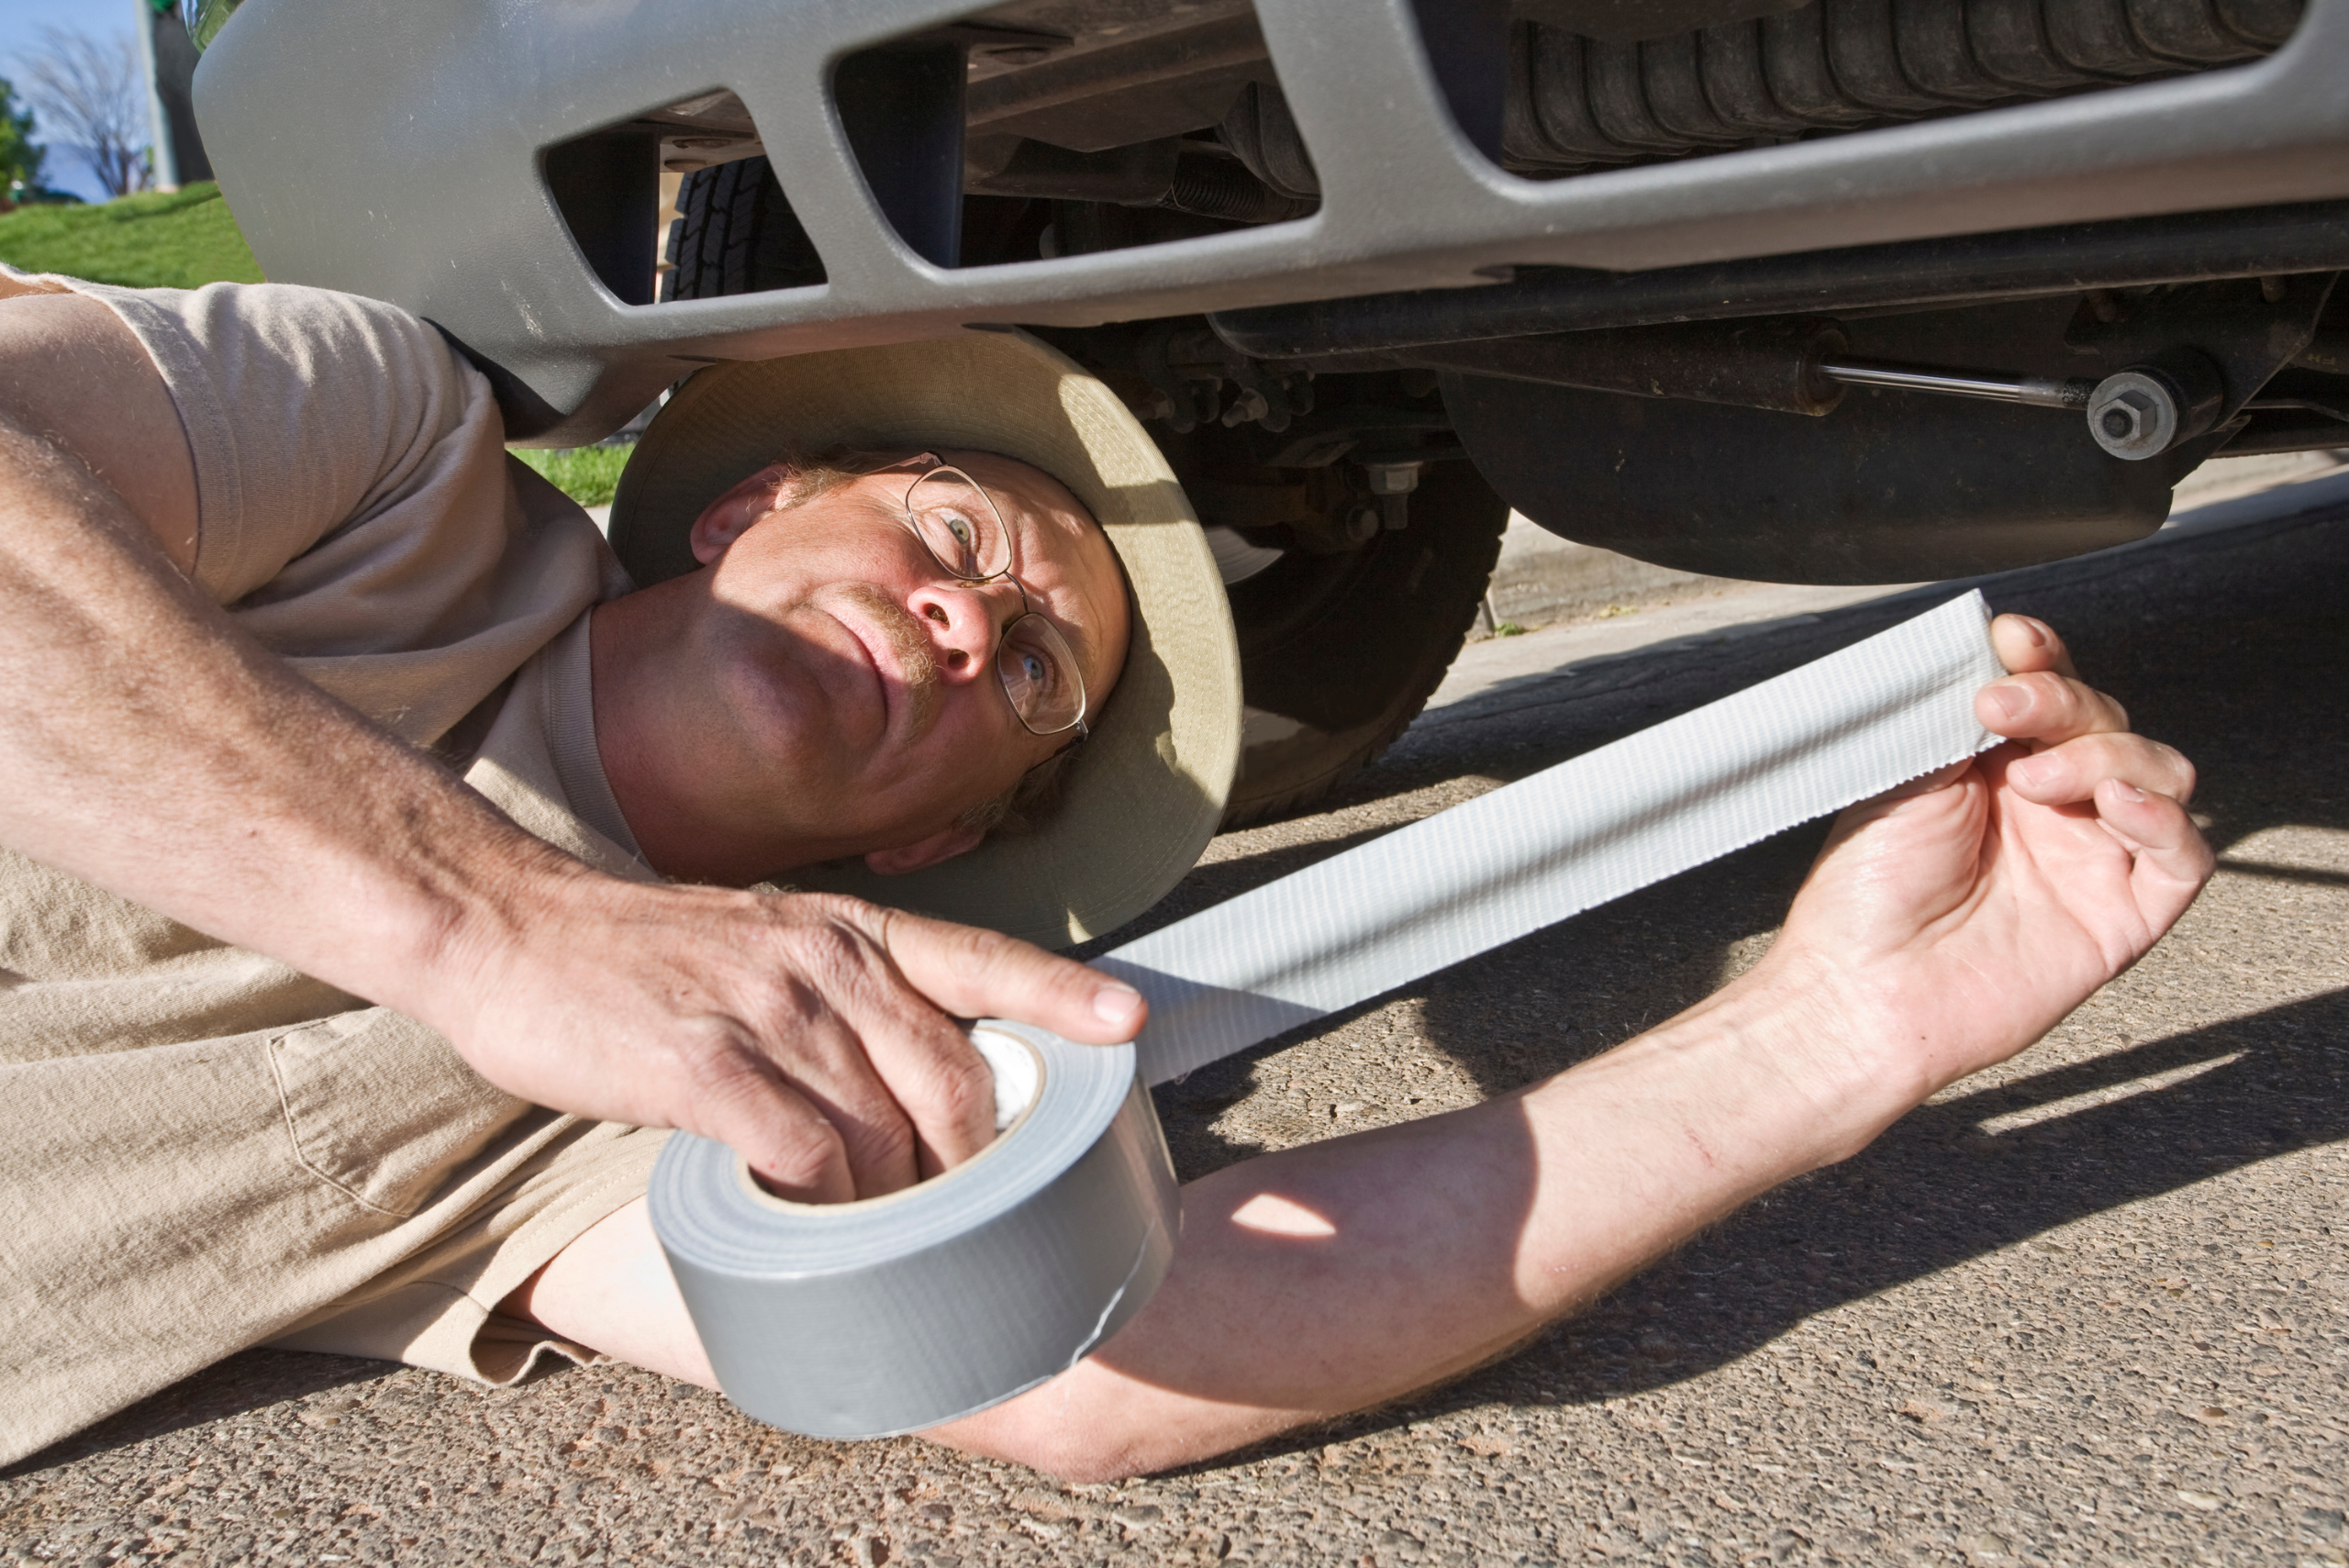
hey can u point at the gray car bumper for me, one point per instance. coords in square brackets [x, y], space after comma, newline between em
[395, 151]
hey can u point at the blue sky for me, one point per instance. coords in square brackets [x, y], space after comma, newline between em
[21, 22]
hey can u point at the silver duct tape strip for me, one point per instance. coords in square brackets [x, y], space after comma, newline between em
[889, 1315]
[1610, 822]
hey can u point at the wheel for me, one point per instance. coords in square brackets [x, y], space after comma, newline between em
[1338, 652]
[736, 234]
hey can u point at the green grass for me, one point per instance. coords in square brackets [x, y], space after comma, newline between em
[160, 240]
[586, 474]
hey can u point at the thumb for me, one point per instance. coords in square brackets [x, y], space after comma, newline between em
[975, 974]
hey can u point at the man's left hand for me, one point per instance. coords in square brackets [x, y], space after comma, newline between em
[1950, 924]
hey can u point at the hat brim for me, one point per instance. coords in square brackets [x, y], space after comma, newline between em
[1145, 792]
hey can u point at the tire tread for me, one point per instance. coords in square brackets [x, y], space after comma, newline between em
[1461, 568]
[735, 233]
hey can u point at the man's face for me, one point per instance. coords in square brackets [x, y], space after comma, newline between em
[851, 696]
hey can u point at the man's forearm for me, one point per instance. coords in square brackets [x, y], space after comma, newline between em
[1338, 1275]
[149, 747]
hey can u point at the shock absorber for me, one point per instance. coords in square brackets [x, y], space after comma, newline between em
[2135, 413]
[1802, 365]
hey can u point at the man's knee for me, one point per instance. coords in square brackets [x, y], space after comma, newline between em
[611, 1290]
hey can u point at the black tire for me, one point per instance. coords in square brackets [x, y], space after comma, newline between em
[736, 234]
[1339, 653]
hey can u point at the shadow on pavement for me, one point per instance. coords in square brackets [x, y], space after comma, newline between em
[2140, 619]
[1934, 1192]
[250, 1381]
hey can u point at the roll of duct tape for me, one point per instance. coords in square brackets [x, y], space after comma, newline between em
[871, 1319]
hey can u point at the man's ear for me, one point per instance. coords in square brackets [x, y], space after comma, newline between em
[923, 853]
[726, 518]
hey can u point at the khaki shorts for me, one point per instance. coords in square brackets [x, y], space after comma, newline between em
[347, 1186]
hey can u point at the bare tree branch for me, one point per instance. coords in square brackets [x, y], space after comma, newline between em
[91, 96]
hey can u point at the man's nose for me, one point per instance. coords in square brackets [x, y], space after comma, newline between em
[964, 620]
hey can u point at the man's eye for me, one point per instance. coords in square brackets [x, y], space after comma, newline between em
[955, 538]
[1032, 677]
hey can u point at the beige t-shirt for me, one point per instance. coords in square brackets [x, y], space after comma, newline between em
[202, 1148]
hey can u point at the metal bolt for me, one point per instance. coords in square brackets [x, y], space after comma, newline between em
[2125, 416]
[1362, 524]
[2134, 415]
[1249, 407]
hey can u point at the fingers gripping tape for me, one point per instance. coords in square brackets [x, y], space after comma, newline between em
[887, 1315]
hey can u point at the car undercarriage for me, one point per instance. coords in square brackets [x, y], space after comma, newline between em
[1824, 290]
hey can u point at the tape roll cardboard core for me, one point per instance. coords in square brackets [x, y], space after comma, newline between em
[1017, 1071]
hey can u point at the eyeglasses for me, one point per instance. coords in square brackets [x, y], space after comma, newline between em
[958, 523]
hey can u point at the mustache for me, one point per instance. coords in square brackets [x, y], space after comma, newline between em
[915, 663]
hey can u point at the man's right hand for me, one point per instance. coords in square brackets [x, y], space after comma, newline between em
[809, 1031]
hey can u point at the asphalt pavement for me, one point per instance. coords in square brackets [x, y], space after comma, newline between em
[2090, 1307]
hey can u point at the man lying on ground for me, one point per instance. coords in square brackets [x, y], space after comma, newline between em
[343, 768]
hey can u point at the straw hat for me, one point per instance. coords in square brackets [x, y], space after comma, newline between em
[1144, 792]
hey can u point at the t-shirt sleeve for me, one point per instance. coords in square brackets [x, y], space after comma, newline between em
[357, 512]
[306, 412]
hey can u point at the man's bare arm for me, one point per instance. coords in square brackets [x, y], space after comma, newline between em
[151, 748]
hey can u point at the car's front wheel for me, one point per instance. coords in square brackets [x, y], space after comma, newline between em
[1338, 652]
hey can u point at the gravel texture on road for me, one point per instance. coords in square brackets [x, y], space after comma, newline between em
[2090, 1307]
